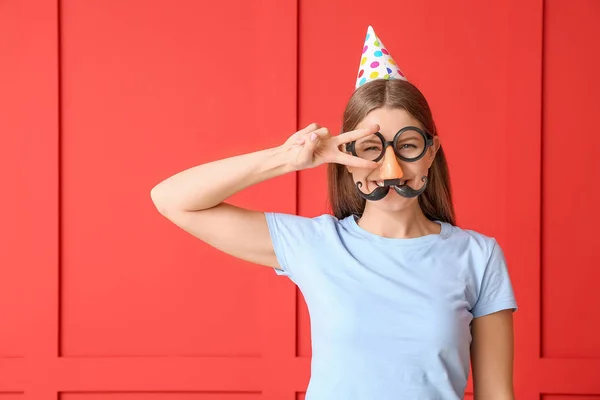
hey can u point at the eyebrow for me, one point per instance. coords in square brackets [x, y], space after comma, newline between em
[370, 140]
[406, 139]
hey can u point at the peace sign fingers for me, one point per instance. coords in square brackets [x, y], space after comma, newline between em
[351, 161]
[356, 134]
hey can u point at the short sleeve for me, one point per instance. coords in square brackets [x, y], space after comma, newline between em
[495, 291]
[291, 235]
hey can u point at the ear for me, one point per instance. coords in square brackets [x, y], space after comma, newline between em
[434, 149]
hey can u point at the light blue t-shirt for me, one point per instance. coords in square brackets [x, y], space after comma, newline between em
[390, 318]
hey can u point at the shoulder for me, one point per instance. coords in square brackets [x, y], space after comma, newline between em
[479, 253]
[483, 255]
[488, 281]
[479, 245]
[299, 227]
[295, 238]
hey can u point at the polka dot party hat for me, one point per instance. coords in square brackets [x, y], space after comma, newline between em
[376, 62]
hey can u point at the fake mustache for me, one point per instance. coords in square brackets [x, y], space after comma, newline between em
[381, 191]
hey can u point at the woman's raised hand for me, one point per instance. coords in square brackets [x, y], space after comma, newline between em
[313, 146]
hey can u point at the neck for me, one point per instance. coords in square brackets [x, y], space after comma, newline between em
[404, 224]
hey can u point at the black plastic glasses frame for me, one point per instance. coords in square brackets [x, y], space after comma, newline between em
[427, 138]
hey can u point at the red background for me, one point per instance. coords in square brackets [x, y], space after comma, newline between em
[102, 298]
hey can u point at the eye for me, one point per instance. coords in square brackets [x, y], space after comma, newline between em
[373, 148]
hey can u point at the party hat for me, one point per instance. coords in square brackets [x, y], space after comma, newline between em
[376, 61]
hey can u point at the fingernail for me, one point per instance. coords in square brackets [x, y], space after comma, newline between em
[313, 136]
[300, 141]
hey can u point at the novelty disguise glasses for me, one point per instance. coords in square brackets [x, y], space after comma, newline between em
[410, 144]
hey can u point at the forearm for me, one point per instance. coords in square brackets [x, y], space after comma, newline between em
[208, 185]
[494, 396]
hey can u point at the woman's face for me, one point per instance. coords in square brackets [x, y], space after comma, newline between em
[390, 121]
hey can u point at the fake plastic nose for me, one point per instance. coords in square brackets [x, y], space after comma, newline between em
[390, 169]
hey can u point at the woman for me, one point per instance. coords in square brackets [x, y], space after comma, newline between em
[400, 299]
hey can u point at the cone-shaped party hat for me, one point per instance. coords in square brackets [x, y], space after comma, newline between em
[376, 62]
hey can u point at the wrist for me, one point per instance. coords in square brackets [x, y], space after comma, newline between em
[284, 158]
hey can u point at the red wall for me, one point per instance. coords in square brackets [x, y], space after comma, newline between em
[101, 298]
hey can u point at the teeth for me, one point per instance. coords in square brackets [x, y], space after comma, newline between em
[380, 183]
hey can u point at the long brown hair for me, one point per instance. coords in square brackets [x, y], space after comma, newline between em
[436, 201]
